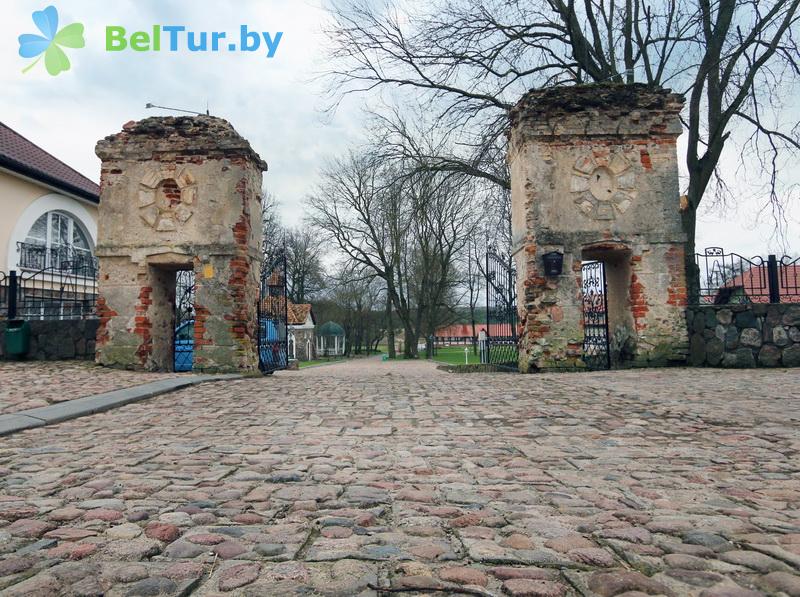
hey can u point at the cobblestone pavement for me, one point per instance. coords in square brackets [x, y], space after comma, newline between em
[340, 480]
[32, 384]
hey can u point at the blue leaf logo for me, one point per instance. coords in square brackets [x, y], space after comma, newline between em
[50, 42]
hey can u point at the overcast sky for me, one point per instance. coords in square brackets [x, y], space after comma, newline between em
[275, 103]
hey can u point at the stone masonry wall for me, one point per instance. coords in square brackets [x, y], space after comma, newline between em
[744, 335]
[594, 176]
[179, 193]
[304, 339]
[58, 340]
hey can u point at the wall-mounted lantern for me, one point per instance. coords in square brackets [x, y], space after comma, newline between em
[553, 263]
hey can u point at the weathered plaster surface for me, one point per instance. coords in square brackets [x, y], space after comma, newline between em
[178, 193]
[594, 175]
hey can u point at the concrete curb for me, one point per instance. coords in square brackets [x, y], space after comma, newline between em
[80, 407]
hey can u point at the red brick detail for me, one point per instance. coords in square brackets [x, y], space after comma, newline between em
[645, 157]
[171, 191]
[556, 313]
[595, 143]
[143, 325]
[538, 317]
[241, 320]
[104, 315]
[201, 315]
[638, 302]
[676, 292]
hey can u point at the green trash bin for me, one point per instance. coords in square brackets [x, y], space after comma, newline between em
[18, 338]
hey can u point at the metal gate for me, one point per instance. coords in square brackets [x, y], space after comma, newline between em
[596, 354]
[273, 351]
[501, 312]
[183, 342]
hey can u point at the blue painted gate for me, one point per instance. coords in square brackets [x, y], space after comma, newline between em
[273, 348]
[183, 343]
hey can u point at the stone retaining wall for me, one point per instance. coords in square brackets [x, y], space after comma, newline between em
[58, 340]
[744, 335]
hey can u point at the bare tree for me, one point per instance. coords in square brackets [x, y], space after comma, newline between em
[405, 229]
[354, 298]
[736, 62]
[304, 275]
[443, 224]
[423, 145]
[273, 233]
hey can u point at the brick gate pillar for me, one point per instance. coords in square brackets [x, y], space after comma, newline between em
[594, 176]
[176, 194]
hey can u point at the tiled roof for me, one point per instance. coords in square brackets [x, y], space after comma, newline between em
[464, 330]
[755, 283]
[297, 314]
[26, 158]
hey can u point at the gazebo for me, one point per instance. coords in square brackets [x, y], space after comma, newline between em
[330, 339]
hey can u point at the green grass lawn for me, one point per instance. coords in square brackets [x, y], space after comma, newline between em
[303, 364]
[454, 355]
[450, 355]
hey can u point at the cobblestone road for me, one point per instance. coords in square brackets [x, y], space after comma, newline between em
[25, 385]
[341, 479]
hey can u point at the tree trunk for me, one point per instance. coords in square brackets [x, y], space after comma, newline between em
[429, 339]
[410, 348]
[390, 326]
[474, 332]
[689, 225]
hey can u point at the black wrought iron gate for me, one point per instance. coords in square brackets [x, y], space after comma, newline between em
[273, 353]
[596, 354]
[502, 347]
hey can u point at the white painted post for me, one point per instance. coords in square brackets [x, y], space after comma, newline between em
[483, 349]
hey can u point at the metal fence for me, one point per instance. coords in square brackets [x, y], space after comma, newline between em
[67, 290]
[730, 278]
[64, 259]
[502, 338]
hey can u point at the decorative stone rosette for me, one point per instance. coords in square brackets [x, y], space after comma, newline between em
[604, 187]
[166, 198]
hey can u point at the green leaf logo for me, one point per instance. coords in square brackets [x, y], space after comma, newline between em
[50, 42]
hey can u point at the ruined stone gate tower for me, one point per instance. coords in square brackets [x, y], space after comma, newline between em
[178, 193]
[594, 177]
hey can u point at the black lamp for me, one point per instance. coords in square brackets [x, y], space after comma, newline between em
[553, 263]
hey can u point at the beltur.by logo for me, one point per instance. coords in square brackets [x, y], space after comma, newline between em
[51, 41]
[171, 38]
[176, 37]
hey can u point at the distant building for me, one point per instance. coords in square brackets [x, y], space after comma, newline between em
[49, 209]
[461, 333]
[330, 340]
[752, 286]
[300, 318]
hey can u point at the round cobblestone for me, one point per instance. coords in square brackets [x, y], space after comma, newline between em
[368, 473]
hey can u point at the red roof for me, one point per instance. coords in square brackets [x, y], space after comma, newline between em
[464, 330]
[297, 314]
[755, 283]
[26, 158]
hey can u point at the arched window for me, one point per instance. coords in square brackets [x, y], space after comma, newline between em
[56, 240]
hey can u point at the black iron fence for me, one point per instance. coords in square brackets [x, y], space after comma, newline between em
[64, 259]
[65, 291]
[730, 278]
[501, 343]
